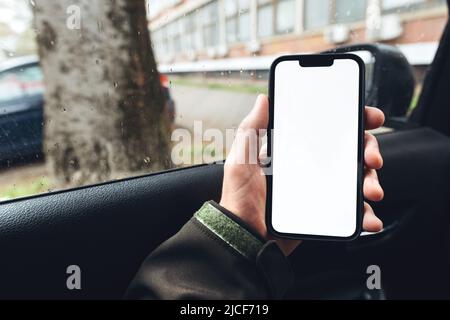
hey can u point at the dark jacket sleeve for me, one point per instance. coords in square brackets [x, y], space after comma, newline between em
[214, 256]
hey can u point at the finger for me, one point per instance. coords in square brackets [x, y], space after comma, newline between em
[374, 118]
[371, 222]
[372, 188]
[372, 155]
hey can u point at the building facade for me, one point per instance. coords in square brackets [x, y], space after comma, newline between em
[199, 30]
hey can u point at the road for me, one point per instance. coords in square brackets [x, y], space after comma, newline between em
[219, 109]
[216, 108]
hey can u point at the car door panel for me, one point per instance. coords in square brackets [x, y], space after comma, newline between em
[107, 230]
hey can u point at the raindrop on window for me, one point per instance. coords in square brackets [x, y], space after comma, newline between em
[99, 26]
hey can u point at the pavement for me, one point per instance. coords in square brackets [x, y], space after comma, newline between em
[221, 109]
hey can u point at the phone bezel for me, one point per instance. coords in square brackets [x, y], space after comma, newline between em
[321, 60]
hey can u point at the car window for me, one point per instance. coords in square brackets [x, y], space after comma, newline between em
[31, 79]
[10, 87]
[147, 86]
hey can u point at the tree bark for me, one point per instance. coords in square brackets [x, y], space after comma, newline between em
[104, 107]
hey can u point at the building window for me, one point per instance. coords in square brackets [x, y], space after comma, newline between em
[398, 6]
[210, 23]
[347, 11]
[174, 32]
[189, 31]
[160, 42]
[286, 16]
[164, 49]
[156, 38]
[237, 20]
[265, 18]
[276, 17]
[320, 13]
[316, 14]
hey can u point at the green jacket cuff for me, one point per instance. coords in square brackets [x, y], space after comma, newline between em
[215, 218]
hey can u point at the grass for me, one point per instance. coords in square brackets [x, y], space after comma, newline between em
[197, 154]
[215, 85]
[39, 185]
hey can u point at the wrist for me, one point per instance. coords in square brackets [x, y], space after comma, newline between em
[249, 216]
[252, 218]
[230, 229]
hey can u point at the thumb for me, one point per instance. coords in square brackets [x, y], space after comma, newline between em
[258, 118]
[246, 141]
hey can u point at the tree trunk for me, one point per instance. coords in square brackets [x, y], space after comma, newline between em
[104, 107]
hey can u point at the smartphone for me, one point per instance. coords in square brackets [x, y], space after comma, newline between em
[315, 147]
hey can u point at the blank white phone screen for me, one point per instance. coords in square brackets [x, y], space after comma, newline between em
[315, 149]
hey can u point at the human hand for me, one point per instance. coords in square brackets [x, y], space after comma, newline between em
[244, 184]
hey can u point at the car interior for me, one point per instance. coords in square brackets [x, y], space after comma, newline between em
[110, 228]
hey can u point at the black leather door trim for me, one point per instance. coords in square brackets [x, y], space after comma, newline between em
[107, 230]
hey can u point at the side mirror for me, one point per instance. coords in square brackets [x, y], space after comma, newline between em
[390, 80]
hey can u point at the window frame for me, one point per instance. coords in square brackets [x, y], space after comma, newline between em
[333, 16]
[274, 25]
[275, 19]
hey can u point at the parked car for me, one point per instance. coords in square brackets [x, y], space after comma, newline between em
[21, 108]
[21, 116]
